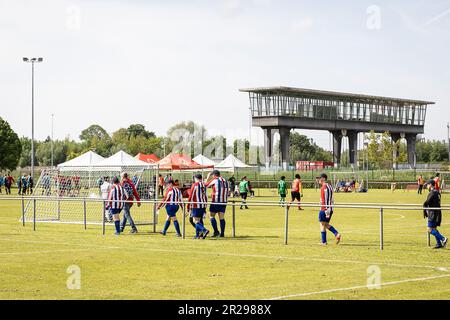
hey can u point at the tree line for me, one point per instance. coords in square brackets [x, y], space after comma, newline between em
[190, 138]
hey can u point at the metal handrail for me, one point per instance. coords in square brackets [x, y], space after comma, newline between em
[378, 206]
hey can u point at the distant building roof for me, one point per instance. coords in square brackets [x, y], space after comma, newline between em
[302, 92]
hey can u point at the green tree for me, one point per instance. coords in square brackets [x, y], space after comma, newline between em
[10, 147]
[186, 135]
[439, 151]
[304, 148]
[138, 130]
[44, 152]
[386, 151]
[25, 155]
[97, 139]
[93, 131]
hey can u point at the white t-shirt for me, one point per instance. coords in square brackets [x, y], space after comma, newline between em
[104, 188]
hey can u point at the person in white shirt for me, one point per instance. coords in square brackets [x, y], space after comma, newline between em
[104, 189]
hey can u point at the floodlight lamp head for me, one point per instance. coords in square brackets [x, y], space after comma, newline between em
[25, 59]
[40, 59]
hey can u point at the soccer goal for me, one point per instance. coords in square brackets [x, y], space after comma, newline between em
[76, 195]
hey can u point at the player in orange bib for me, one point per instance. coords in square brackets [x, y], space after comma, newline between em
[296, 191]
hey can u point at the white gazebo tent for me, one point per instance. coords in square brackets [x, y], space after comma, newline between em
[204, 161]
[84, 161]
[231, 164]
[122, 160]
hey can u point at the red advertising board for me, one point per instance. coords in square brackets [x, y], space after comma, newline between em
[313, 165]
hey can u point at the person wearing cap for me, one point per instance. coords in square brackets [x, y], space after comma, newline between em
[219, 200]
[326, 210]
[197, 206]
[116, 199]
[172, 201]
[434, 215]
[129, 186]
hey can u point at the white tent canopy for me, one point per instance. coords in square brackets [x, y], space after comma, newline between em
[122, 160]
[230, 164]
[204, 161]
[86, 160]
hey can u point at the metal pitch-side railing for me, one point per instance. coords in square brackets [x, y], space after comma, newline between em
[380, 207]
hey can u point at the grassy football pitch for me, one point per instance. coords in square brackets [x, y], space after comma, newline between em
[254, 265]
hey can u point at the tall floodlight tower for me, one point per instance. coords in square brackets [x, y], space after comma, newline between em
[32, 61]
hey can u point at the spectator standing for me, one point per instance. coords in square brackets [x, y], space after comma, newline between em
[420, 183]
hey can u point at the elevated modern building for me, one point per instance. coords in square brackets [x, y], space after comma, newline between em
[280, 109]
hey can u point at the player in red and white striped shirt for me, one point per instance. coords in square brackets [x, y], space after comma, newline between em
[117, 196]
[197, 206]
[326, 210]
[219, 200]
[172, 201]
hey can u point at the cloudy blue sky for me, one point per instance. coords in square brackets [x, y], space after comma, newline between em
[160, 62]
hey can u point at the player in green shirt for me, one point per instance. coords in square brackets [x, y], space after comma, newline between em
[243, 190]
[282, 190]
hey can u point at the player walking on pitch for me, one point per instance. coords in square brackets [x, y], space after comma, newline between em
[243, 191]
[197, 206]
[282, 190]
[219, 201]
[116, 199]
[434, 216]
[296, 191]
[130, 188]
[172, 201]
[326, 210]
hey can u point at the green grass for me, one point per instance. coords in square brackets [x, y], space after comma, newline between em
[254, 265]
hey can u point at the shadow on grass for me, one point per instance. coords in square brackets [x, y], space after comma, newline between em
[147, 233]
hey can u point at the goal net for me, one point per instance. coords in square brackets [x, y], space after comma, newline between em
[74, 194]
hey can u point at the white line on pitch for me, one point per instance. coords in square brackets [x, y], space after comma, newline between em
[61, 243]
[42, 252]
[357, 287]
[444, 269]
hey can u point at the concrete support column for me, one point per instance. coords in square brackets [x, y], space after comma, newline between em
[337, 147]
[353, 147]
[268, 147]
[411, 141]
[285, 145]
[395, 137]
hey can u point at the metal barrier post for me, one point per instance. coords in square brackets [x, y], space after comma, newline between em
[103, 218]
[233, 221]
[184, 222]
[155, 199]
[381, 229]
[286, 222]
[154, 217]
[23, 211]
[34, 214]
[84, 209]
